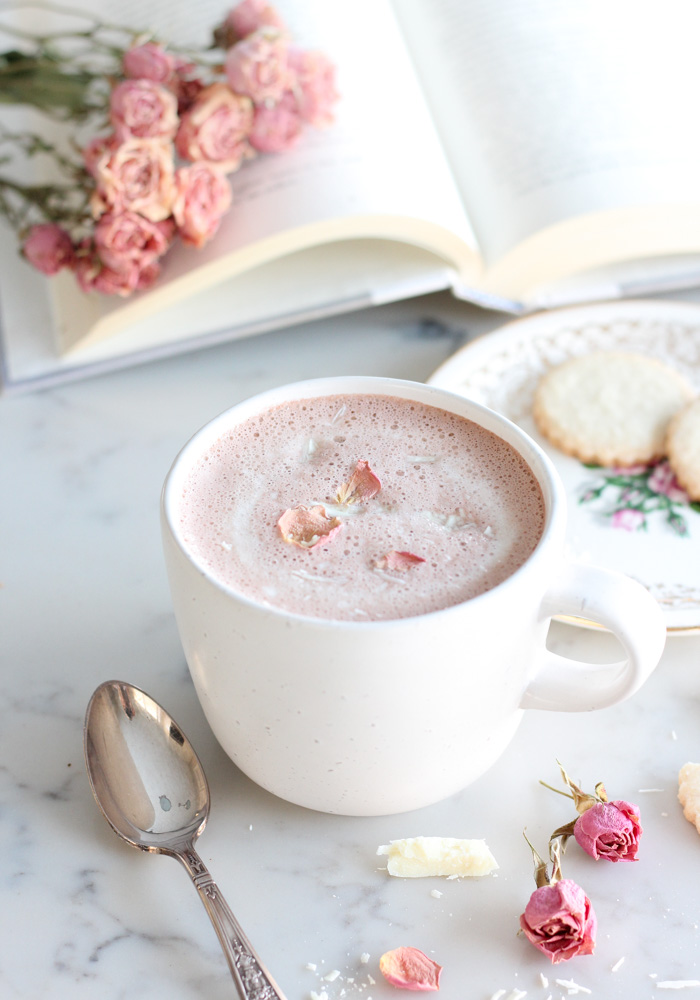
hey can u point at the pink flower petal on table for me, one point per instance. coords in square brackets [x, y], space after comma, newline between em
[410, 969]
[363, 485]
[400, 561]
[307, 527]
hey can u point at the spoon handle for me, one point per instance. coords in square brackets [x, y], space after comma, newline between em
[252, 979]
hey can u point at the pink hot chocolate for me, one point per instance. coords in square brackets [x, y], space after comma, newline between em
[455, 497]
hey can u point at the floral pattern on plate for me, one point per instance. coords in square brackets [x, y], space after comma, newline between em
[638, 520]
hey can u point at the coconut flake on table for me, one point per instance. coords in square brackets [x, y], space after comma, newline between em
[571, 987]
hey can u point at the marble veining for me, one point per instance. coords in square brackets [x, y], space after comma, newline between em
[83, 598]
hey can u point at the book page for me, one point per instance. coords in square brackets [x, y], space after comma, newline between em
[378, 171]
[550, 111]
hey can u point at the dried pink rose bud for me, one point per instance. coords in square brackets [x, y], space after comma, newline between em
[559, 920]
[603, 829]
[250, 15]
[400, 561]
[308, 527]
[216, 127]
[609, 830]
[277, 128]
[314, 86]
[143, 109]
[149, 61]
[410, 969]
[49, 248]
[256, 67]
[363, 485]
[136, 176]
[125, 239]
[202, 198]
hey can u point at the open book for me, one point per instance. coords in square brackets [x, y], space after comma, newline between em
[523, 153]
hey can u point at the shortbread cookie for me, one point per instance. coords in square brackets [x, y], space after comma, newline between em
[610, 407]
[683, 448]
[689, 792]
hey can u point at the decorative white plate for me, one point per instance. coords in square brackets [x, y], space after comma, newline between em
[635, 521]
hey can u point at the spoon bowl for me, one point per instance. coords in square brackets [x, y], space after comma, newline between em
[152, 790]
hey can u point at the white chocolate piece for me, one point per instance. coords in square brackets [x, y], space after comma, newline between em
[419, 857]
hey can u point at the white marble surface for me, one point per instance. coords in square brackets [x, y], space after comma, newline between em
[84, 598]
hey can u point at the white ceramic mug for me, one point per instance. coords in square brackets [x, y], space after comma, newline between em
[378, 717]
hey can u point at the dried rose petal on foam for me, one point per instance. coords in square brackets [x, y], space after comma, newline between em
[398, 560]
[363, 485]
[410, 969]
[307, 527]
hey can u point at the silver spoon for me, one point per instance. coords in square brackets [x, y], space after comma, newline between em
[150, 785]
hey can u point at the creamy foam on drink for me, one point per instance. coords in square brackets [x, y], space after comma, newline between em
[452, 494]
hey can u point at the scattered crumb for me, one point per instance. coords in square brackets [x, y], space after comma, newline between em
[318, 996]
[544, 982]
[311, 966]
[364, 957]
[332, 976]
[617, 964]
[673, 734]
[435, 893]
[517, 995]
[645, 791]
[498, 995]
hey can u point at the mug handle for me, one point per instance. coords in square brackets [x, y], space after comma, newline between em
[621, 605]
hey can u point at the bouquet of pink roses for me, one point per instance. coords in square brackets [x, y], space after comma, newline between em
[173, 125]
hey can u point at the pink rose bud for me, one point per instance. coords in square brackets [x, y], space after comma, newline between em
[137, 176]
[216, 127]
[249, 16]
[203, 197]
[126, 239]
[609, 830]
[559, 920]
[49, 248]
[257, 66]
[93, 275]
[276, 129]
[149, 62]
[410, 969]
[314, 86]
[143, 109]
[109, 282]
